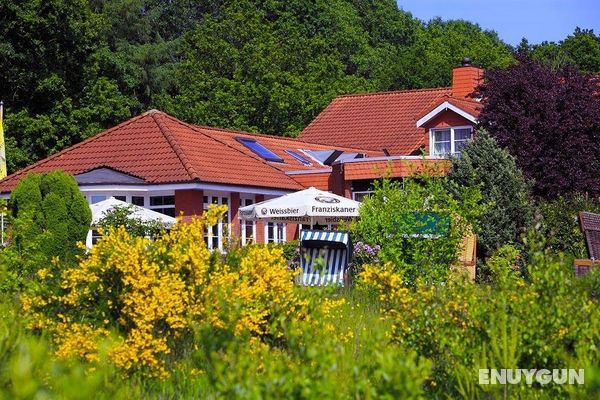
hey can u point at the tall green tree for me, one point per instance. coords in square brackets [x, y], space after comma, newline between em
[440, 46]
[510, 209]
[52, 96]
[580, 49]
[269, 67]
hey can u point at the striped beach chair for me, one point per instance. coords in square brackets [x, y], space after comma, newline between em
[324, 257]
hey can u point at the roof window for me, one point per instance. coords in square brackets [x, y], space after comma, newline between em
[298, 157]
[259, 149]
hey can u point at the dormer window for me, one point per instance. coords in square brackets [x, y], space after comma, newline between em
[448, 142]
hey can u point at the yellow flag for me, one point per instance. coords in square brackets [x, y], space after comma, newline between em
[2, 147]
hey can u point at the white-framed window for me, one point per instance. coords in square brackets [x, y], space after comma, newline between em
[97, 198]
[360, 195]
[248, 228]
[216, 235]
[445, 142]
[138, 198]
[163, 204]
[274, 232]
[95, 236]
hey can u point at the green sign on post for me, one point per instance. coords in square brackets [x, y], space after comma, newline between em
[422, 224]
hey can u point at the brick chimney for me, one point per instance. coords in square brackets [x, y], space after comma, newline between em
[465, 78]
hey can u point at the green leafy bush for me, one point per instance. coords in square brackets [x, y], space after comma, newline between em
[49, 217]
[29, 371]
[546, 322]
[419, 223]
[135, 226]
[559, 223]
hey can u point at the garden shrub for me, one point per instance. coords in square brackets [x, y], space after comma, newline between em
[143, 295]
[591, 284]
[364, 254]
[419, 223]
[29, 371]
[321, 359]
[135, 226]
[547, 322]
[559, 223]
[49, 217]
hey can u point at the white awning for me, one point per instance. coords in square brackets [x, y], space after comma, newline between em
[304, 207]
[100, 209]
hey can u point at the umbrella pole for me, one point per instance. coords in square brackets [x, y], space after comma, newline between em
[311, 222]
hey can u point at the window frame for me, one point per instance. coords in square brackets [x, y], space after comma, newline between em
[452, 129]
[359, 195]
[160, 207]
[223, 225]
[97, 198]
[267, 154]
[276, 238]
[244, 239]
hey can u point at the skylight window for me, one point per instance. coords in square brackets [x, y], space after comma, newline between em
[259, 149]
[298, 157]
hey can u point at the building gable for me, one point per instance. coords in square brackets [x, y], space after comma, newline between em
[106, 175]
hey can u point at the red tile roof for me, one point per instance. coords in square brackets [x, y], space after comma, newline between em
[375, 121]
[161, 149]
[471, 106]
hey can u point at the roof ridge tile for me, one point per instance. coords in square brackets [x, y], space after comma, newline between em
[174, 144]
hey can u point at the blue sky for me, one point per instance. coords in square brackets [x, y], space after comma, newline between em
[537, 20]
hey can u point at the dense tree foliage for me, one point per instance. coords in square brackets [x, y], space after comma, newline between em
[272, 67]
[559, 223]
[581, 49]
[439, 43]
[509, 208]
[72, 68]
[549, 119]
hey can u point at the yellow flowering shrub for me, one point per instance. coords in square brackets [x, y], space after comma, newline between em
[78, 339]
[151, 293]
[248, 298]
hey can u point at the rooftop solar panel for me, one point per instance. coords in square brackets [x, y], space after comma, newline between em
[298, 157]
[259, 149]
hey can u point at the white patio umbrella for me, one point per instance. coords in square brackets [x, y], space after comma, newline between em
[307, 206]
[100, 209]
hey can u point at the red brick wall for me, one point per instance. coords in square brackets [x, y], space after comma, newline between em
[319, 180]
[336, 181]
[189, 201]
[465, 80]
[396, 168]
[234, 205]
[291, 232]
